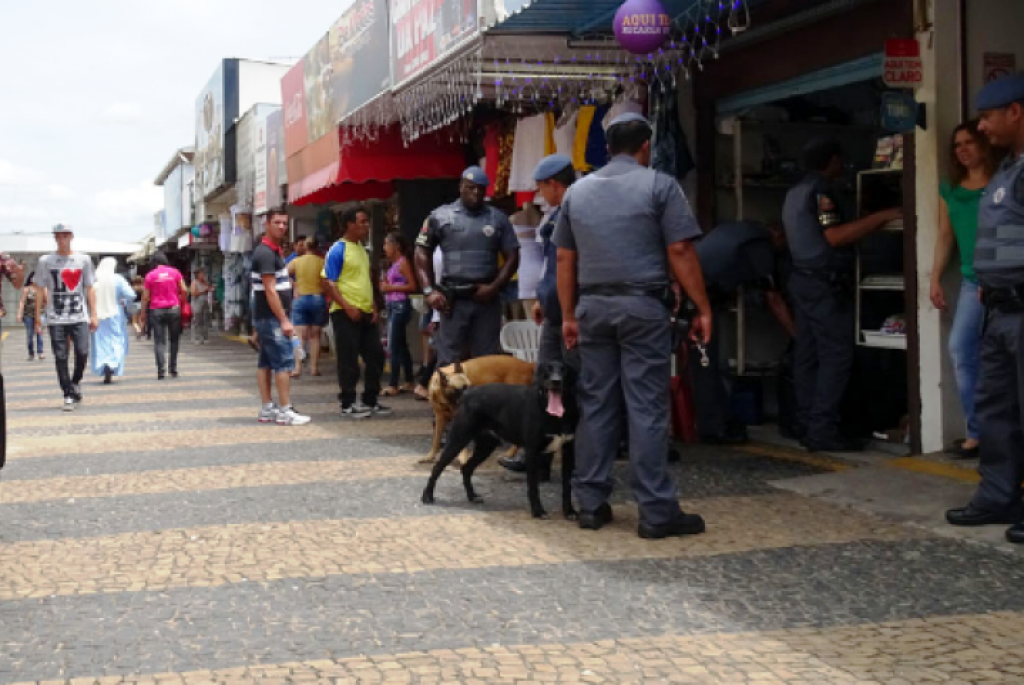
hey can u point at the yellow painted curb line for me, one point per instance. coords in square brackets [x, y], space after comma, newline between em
[763, 449]
[237, 339]
[935, 468]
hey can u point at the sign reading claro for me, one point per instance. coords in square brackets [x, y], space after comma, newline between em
[902, 67]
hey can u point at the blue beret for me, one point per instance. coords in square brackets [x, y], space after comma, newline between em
[551, 165]
[475, 174]
[1001, 93]
[627, 118]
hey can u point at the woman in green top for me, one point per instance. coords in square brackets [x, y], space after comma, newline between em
[973, 165]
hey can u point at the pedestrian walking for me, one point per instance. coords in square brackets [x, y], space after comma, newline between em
[27, 315]
[138, 286]
[627, 214]
[471, 236]
[354, 317]
[110, 340]
[309, 312]
[164, 292]
[974, 162]
[272, 303]
[66, 282]
[821, 240]
[398, 285]
[999, 266]
[202, 309]
[14, 273]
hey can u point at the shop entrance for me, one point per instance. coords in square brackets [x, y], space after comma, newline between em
[759, 140]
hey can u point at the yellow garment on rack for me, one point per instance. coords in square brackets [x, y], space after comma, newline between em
[506, 142]
[579, 148]
[549, 134]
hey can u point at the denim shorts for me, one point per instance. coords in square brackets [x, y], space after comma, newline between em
[276, 351]
[310, 310]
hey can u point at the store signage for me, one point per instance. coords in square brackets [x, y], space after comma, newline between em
[293, 99]
[360, 61]
[998, 65]
[260, 162]
[899, 112]
[275, 163]
[423, 31]
[903, 67]
[210, 159]
[642, 26]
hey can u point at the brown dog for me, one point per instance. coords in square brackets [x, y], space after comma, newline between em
[448, 384]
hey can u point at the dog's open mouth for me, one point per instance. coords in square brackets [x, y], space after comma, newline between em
[555, 406]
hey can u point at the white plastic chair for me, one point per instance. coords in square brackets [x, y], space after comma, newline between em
[521, 339]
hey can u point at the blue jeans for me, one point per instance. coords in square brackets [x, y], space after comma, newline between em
[30, 332]
[964, 348]
[276, 351]
[399, 316]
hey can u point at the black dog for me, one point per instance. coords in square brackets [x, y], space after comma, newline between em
[541, 418]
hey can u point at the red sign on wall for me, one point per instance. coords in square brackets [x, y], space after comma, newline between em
[293, 106]
[903, 67]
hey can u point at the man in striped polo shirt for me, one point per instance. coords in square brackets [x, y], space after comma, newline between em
[272, 320]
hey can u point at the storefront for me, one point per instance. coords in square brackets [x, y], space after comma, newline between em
[757, 106]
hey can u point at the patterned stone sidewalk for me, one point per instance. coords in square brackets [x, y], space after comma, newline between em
[159, 535]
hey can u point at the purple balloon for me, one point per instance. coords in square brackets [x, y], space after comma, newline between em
[642, 26]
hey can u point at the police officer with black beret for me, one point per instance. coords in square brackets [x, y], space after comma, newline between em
[471, 235]
[999, 264]
[821, 286]
[623, 234]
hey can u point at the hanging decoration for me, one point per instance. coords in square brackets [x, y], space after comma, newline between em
[654, 52]
[642, 26]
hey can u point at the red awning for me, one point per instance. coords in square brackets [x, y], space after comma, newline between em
[365, 170]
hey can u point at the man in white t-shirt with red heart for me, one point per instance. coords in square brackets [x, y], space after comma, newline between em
[67, 278]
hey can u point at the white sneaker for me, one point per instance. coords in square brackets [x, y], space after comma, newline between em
[287, 416]
[69, 404]
[268, 414]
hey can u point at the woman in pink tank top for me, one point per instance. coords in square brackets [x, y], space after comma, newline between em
[398, 284]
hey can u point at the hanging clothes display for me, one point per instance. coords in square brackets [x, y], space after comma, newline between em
[565, 136]
[527, 151]
[669, 152]
[506, 146]
[620, 107]
[236, 289]
[597, 145]
[584, 119]
[492, 152]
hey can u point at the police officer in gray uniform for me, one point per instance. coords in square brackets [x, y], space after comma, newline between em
[623, 234]
[821, 286]
[471, 235]
[999, 264]
[554, 175]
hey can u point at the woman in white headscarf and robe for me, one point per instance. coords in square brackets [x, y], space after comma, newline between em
[110, 341]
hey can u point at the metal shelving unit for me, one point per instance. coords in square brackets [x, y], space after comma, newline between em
[876, 283]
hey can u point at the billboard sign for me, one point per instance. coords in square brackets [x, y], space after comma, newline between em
[424, 31]
[360, 67]
[316, 72]
[210, 159]
[259, 144]
[293, 99]
[275, 162]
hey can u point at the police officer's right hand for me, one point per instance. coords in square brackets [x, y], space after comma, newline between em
[571, 334]
[538, 313]
[437, 301]
[700, 328]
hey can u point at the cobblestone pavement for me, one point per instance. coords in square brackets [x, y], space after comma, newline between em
[160, 535]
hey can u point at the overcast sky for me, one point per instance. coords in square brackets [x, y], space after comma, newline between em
[97, 95]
